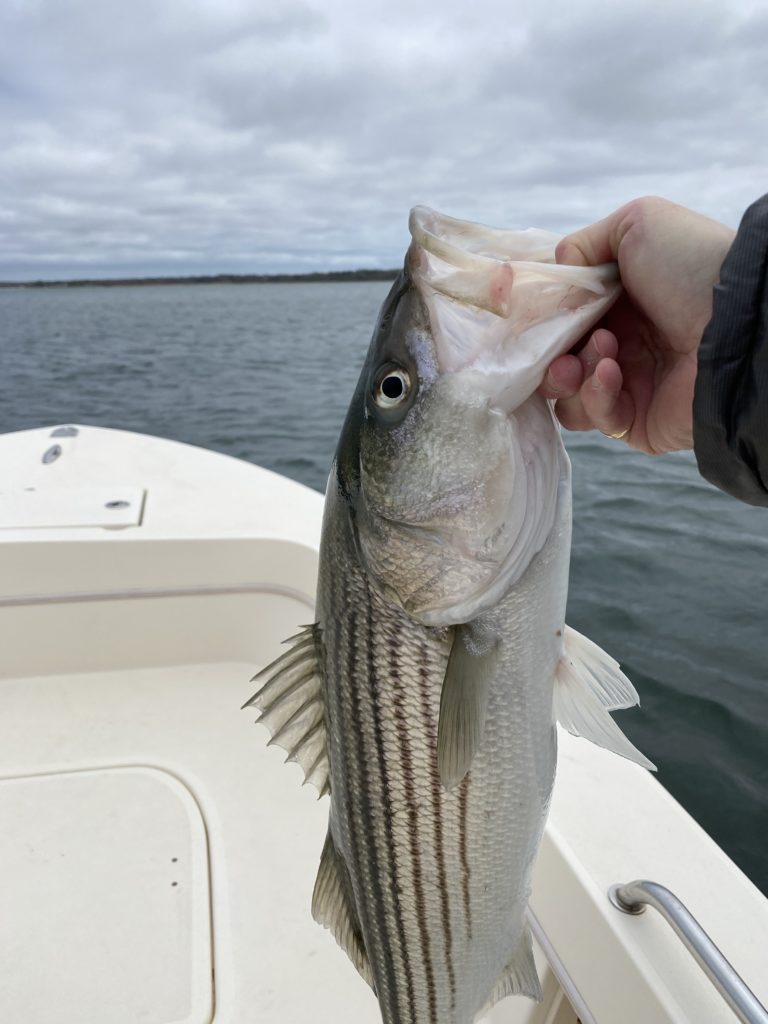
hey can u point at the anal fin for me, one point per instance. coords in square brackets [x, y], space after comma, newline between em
[520, 977]
[589, 685]
[333, 907]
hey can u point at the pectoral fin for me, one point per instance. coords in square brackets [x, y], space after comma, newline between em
[464, 701]
[588, 685]
[333, 907]
[291, 705]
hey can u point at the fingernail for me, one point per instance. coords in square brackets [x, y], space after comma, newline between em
[596, 379]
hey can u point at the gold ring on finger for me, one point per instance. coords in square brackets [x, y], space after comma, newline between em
[619, 436]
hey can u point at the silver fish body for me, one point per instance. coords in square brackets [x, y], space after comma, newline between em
[424, 699]
[441, 876]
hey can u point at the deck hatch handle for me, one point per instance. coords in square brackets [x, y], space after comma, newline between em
[634, 897]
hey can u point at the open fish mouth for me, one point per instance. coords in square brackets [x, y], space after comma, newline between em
[497, 300]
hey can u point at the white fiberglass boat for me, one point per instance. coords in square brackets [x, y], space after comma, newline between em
[157, 859]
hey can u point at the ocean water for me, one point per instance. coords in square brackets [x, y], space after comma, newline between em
[668, 575]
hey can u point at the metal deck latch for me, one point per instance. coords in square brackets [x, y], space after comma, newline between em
[634, 897]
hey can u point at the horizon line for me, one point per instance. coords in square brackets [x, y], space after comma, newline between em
[363, 274]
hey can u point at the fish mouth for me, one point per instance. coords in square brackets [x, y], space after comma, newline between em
[482, 266]
[497, 299]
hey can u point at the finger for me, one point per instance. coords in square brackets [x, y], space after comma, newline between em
[570, 412]
[602, 345]
[609, 408]
[564, 378]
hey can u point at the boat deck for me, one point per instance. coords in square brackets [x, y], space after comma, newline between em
[158, 858]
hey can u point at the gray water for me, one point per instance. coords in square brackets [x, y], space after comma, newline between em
[668, 574]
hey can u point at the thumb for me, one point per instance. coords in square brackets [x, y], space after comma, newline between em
[598, 243]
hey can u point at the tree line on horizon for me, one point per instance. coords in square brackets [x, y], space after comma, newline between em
[111, 282]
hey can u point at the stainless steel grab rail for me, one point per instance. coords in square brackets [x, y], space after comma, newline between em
[633, 899]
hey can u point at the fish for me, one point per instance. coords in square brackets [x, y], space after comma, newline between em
[424, 698]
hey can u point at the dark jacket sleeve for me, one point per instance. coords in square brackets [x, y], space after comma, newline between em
[730, 406]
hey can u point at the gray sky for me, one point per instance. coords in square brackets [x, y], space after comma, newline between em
[186, 136]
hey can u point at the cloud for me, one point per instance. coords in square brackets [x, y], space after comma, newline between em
[168, 136]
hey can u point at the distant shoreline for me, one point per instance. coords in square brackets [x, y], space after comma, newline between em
[121, 282]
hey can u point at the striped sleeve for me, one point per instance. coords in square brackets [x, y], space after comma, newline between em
[730, 408]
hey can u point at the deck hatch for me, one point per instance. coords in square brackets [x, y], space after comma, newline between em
[67, 507]
[104, 907]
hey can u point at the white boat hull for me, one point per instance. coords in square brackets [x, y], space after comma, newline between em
[158, 859]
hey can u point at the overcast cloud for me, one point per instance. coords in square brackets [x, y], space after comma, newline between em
[186, 136]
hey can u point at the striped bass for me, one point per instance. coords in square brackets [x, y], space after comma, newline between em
[425, 696]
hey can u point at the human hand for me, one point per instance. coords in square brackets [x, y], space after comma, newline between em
[634, 377]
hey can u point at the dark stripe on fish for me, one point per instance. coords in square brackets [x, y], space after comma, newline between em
[435, 793]
[413, 825]
[387, 800]
[388, 992]
[347, 767]
[465, 873]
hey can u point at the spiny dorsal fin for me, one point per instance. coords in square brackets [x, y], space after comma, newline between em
[588, 685]
[464, 701]
[291, 705]
[519, 977]
[333, 907]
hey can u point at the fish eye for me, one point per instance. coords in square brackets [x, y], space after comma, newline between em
[393, 385]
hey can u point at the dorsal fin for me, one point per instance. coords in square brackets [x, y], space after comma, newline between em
[588, 685]
[333, 907]
[291, 704]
